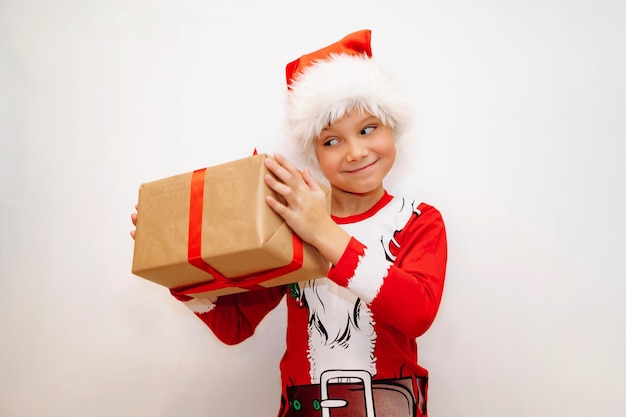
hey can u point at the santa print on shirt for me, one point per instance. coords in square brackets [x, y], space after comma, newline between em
[366, 315]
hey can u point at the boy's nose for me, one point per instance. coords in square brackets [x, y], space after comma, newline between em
[356, 151]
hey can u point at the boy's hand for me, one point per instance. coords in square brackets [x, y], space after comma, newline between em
[133, 219]
[304, 203]
[304, 207]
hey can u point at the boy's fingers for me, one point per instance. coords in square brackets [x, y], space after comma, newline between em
[278, 186]
[278, 170]
[285, 163]
[310, 181]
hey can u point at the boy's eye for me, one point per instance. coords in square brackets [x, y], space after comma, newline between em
[368, 129]
[330, 142]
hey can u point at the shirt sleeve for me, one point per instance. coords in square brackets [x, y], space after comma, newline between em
[406, 291]
[233, 318]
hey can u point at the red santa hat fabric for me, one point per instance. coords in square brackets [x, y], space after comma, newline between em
[326, 84]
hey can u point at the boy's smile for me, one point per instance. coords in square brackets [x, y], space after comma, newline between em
[363, 169]
[355, 154]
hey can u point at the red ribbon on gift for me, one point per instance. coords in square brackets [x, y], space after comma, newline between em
[194, 251]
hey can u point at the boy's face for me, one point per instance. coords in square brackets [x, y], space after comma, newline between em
[356, 152]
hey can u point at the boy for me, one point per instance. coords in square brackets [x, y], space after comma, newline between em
[351, 336]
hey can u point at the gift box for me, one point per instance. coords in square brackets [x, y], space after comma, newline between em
[210, 232]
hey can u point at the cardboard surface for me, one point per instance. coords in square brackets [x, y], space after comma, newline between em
[241, 236]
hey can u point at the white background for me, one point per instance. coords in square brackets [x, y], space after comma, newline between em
[521, 110]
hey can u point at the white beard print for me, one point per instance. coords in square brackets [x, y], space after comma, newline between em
[341, 331]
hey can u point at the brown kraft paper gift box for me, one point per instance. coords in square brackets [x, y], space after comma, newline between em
[210, 232]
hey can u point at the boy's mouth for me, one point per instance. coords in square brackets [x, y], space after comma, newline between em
[362, 168]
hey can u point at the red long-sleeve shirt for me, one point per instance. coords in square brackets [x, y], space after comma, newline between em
[367, 313]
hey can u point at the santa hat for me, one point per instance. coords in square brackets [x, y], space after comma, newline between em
[326, 84]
